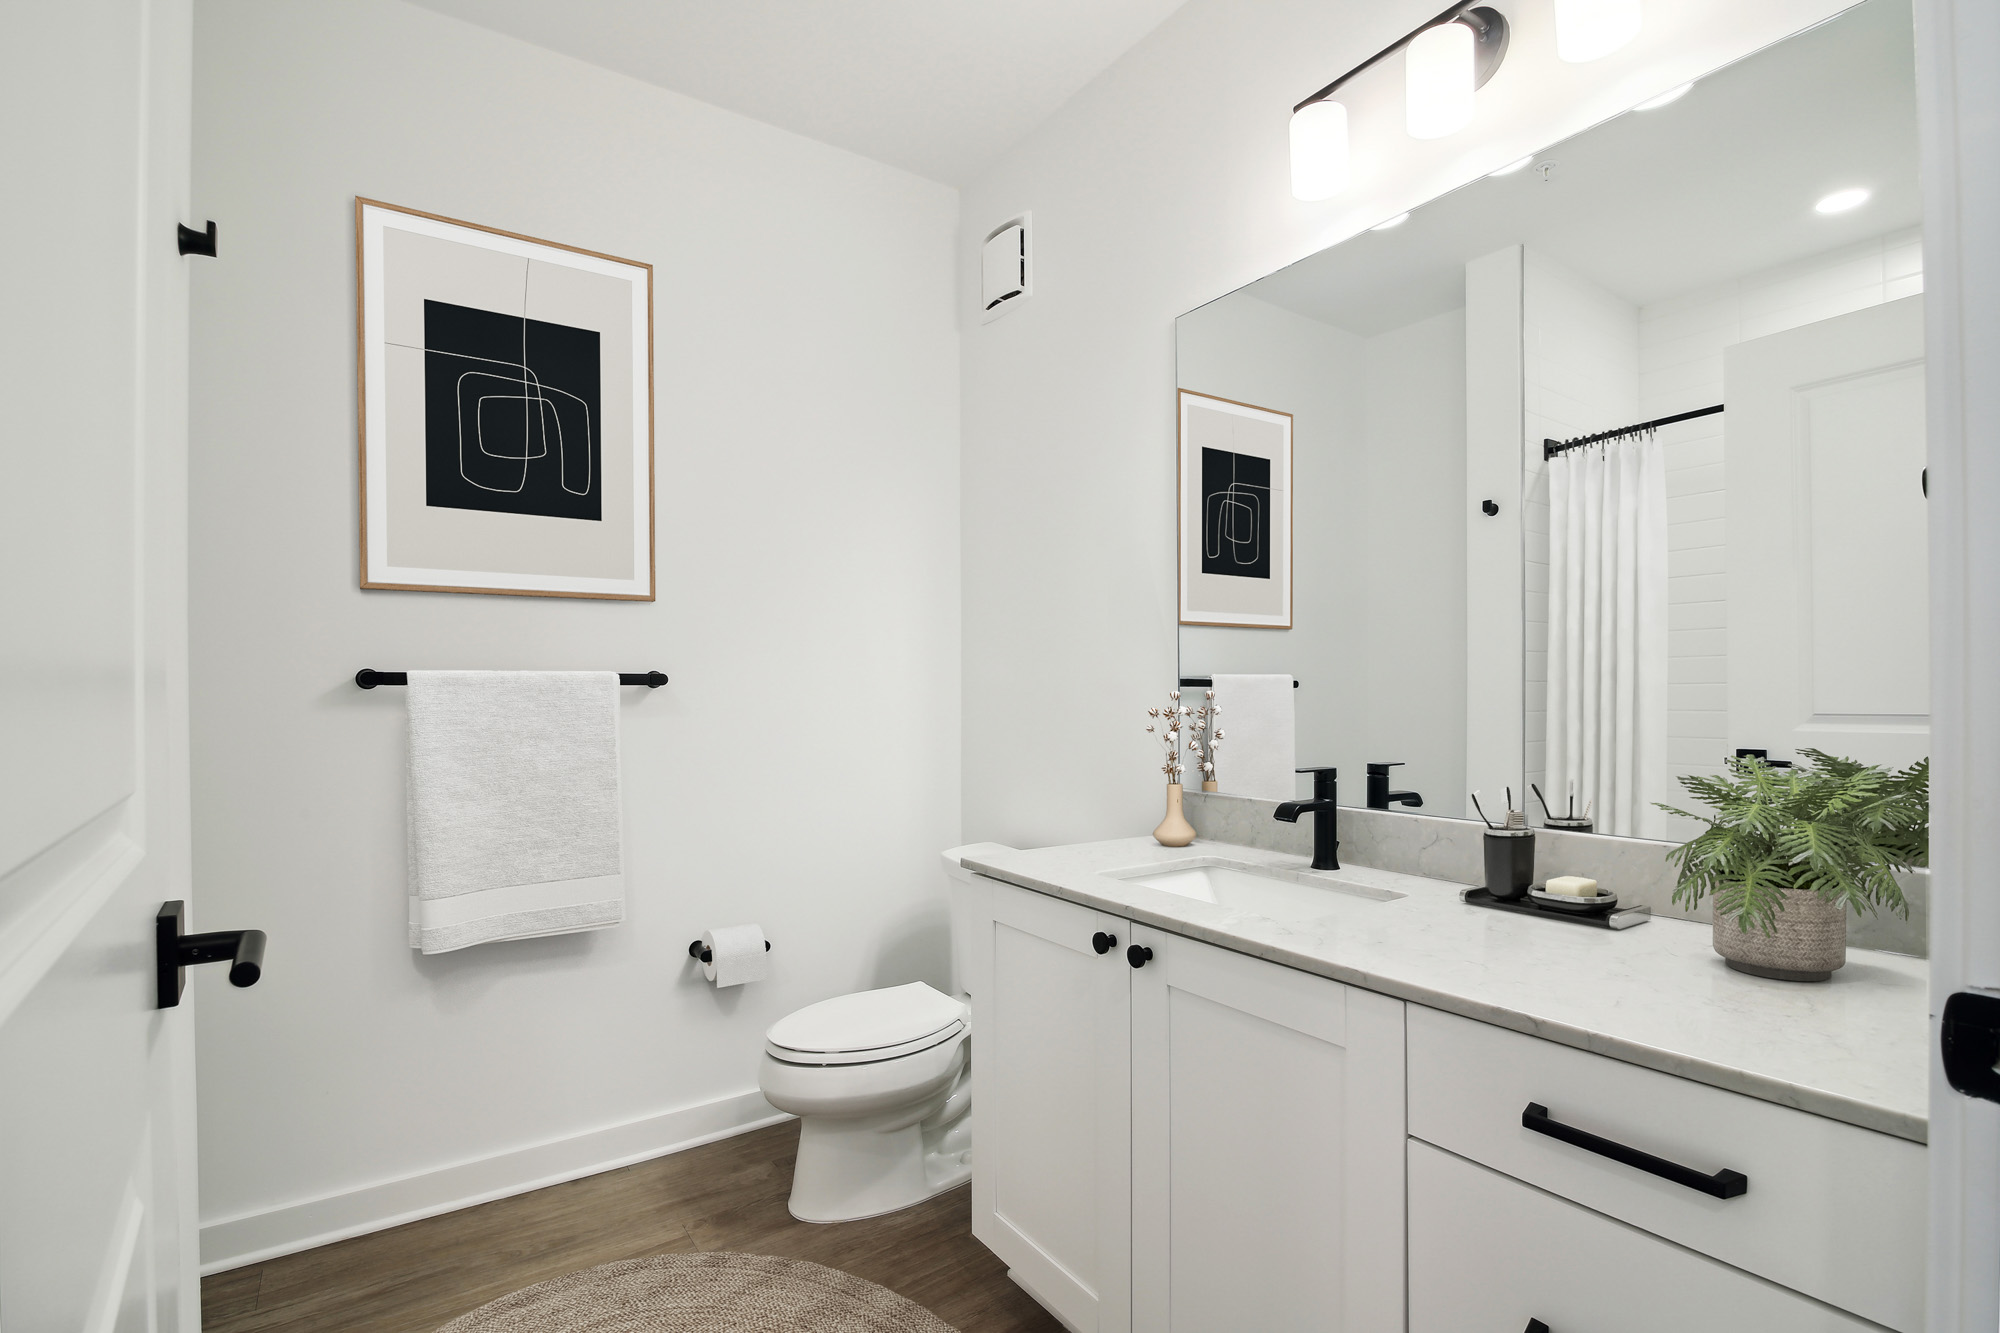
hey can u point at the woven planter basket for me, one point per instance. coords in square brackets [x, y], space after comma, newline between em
[1810, 943]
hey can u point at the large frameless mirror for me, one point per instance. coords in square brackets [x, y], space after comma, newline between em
[1593, 473]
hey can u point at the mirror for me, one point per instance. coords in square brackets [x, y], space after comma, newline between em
[1383, 432]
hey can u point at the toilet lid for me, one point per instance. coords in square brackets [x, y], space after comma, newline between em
[870, 1021]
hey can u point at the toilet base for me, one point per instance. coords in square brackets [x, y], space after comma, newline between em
[851, 1168]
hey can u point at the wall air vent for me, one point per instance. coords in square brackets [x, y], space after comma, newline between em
[1006, 276]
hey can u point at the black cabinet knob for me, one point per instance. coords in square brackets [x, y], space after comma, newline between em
[1536, 1326]
[1103, 943]
[1138, 955]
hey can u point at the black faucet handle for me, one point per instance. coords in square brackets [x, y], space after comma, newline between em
[1382, 770]
[1323, 768]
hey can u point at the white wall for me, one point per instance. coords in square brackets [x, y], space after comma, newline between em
[800, 771]
[1378, 630]
[1160, 186]
[1681, 342]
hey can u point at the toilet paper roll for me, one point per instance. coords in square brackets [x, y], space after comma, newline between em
[736, 954]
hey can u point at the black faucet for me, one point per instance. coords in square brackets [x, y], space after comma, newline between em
[1379, 795]
[1324, 804]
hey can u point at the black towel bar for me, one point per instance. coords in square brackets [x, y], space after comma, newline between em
[368, 678]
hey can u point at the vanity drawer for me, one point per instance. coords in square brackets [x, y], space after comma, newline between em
[1489, 1254]
[1829, 1209]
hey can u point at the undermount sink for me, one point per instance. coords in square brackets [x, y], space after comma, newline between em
[1272, 892]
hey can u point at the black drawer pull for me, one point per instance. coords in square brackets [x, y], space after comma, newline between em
[1536, 1326]
[1723, 1184]
[1103, 943]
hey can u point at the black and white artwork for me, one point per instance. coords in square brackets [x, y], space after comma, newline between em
[511, 414]
[507, 412]
[1235, 514]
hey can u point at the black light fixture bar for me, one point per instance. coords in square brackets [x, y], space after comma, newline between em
[1208, 682]
[1550, 448]
[1489, 24]
[368, 678]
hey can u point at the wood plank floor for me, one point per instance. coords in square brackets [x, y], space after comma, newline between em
[722, 1196]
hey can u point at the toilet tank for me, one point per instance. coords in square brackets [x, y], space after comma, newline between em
[959, 887]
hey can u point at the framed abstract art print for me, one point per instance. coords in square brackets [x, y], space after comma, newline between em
[506, 411]
[1235, 514]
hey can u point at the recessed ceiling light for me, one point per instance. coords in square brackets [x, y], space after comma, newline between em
[1842, 200]
[1513, 167]
[1670, 95]
[1396, 221]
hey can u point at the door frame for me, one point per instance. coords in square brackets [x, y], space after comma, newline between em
[1958, 110]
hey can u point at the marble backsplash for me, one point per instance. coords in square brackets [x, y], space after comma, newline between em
[1636, 869]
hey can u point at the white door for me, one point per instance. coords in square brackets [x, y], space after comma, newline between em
[97, 1136]
[1267, 1147]
[1958, 48]
[1051, 1065]
[1827, 538]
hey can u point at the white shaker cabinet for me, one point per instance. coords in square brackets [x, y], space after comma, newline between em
[1186, 1139]
[1051, 1078]
[1267, 1141]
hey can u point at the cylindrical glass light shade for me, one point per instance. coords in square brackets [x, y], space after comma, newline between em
[1438, 76]
[1587, 29]
[1319, 150]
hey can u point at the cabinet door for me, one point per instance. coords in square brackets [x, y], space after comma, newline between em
[1267, 1147]
[1489, 1253]
[1051, 1071]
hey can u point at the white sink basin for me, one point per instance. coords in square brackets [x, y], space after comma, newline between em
[1267, 891]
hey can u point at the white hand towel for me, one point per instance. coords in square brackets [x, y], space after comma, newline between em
[514, 815]
[1259, 746]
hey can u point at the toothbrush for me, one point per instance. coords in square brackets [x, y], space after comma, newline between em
[1482, 813]
[1543, 799]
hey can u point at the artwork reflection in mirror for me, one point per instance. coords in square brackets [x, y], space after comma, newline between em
[1610, 467]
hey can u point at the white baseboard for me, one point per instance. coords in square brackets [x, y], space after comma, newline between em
[249, 1237]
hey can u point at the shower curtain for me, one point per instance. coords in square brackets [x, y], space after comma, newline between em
[1607, 704]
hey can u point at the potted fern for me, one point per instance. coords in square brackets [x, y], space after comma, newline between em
[1788, 850]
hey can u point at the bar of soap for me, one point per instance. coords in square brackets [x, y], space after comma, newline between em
[1572, 886]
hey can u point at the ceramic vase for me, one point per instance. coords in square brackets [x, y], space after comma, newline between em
[1208, 784]
[1174, 830]
[1810, 942]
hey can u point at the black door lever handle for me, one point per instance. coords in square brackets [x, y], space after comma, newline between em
[174, 952]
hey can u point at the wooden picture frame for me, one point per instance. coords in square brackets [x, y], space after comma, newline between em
[487, 469]
[1234, 514]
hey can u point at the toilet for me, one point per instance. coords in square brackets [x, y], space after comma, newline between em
[881, 1083]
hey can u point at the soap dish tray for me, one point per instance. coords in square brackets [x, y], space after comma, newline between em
[1623, 919]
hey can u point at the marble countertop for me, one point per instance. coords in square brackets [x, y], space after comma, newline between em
[1855, 1048]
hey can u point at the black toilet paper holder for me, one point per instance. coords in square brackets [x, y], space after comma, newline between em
[697, 950]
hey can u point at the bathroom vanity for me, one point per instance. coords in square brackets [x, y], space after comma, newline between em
[1219, 1090]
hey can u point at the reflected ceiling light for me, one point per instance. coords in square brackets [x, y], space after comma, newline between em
[1840, 201]
[1319, 150]
[1589, 29]
[1460, 50]
[1438, 81]
[1513, 166]
[1396, 221]
[1669, 96]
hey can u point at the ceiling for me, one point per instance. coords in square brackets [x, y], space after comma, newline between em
[1657, 203]
[937, 87]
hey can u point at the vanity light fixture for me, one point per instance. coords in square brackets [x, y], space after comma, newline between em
[1840, 201]
[1319, 124]
[1396, 221]
[1513, 166]
[1437, 81]
[1666, 98]
[1588, 30]
[1319, 150]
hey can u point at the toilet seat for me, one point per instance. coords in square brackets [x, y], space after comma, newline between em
[867, 1027]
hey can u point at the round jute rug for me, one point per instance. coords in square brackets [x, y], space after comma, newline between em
[702, 1293]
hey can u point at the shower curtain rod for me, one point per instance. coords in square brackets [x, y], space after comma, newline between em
[1550, 448]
